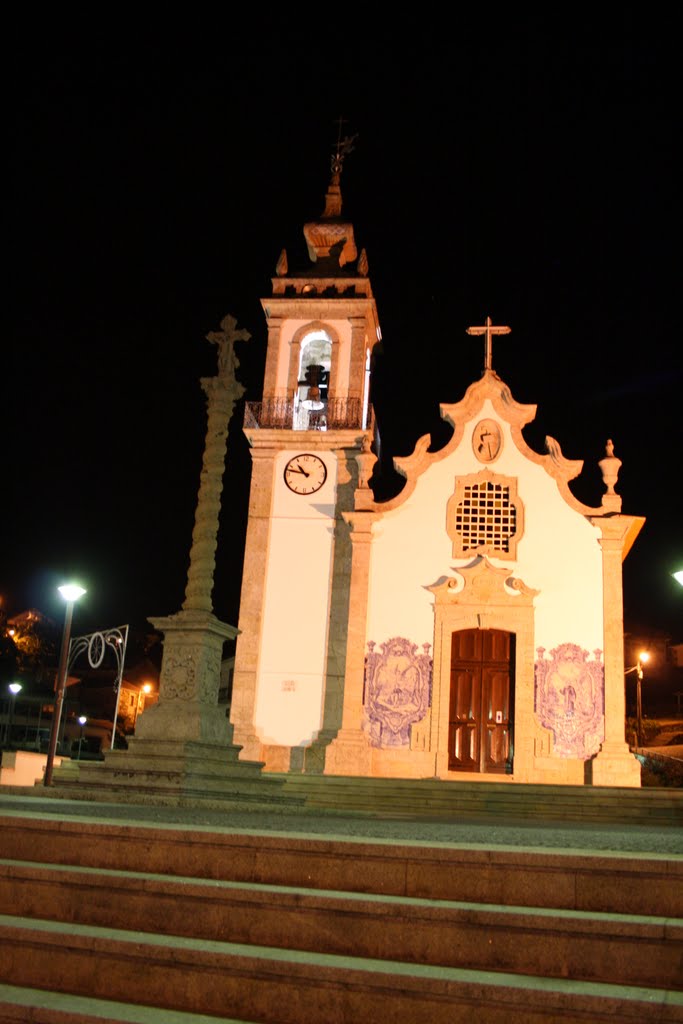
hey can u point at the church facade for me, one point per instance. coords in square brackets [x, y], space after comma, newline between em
[471, 627]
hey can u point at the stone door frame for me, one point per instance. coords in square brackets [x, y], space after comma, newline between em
[482, 596]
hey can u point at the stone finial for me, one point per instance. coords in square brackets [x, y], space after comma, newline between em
[329, 237]
[281, 266]
[610, 466]
[362, 265]
[364, 498]
[365, 460]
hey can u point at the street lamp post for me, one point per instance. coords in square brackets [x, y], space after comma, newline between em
[643, 658]
[82, 720]
[14, 689]
[71, 593]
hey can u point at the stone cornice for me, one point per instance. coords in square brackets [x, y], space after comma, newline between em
[317, 307]
[620, 530]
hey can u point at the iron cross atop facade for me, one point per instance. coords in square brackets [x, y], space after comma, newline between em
[488, 330]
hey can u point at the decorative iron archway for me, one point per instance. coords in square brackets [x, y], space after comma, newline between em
[96, 646]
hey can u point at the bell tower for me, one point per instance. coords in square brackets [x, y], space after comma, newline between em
[308, 436]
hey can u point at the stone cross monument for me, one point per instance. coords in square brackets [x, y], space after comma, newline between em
[182, 753]
[188, 709]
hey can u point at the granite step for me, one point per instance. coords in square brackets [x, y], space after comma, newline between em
[291, 987]
[19, 1005]
[643, 950]
[598, 882]
[281, 928]
[434, 799]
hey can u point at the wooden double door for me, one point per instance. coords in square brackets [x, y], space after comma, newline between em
[481, 701]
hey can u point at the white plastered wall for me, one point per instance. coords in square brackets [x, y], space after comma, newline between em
[559, 554]
[292, 654]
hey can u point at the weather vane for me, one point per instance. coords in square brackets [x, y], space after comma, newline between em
[343, 148]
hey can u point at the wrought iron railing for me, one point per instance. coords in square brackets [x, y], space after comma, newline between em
[285, 414]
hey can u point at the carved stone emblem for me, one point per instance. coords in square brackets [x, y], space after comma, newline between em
[487, 441]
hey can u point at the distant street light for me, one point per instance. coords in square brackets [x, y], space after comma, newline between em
[82, 719]
[678, 576]
[14, 689]
[643, 659]
[71, 593]
[140, 703]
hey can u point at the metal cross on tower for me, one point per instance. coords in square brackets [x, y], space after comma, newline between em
[488, 330]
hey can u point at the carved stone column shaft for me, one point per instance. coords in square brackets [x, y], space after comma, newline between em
[221, 397]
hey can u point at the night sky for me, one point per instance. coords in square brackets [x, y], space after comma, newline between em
[514, 167]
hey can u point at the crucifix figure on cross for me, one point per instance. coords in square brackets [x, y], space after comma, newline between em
[225, 341]
[488, 330]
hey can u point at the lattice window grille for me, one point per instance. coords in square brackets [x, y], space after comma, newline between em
[486, 517]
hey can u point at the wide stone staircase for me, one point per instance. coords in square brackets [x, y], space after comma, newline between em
[177, 772]
[155, 775]
[162, 924]
[437, 799]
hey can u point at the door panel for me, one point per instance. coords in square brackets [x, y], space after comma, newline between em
[480, 716]
[463, 729]
[496, 645]
[468, 643]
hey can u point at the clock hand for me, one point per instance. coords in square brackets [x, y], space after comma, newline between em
[297, 469]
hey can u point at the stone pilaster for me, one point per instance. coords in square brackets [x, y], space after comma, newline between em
[251, 602]
[614, 764]
[272, 358]
[350, 753]
[357, 361]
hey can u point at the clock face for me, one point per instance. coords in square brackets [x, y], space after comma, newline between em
[305, 474]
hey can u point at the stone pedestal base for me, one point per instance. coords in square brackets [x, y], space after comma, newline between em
[349, 754]
[176, 773]
[185, 721]
[615, 765]
[188, 709]
[183, 750]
